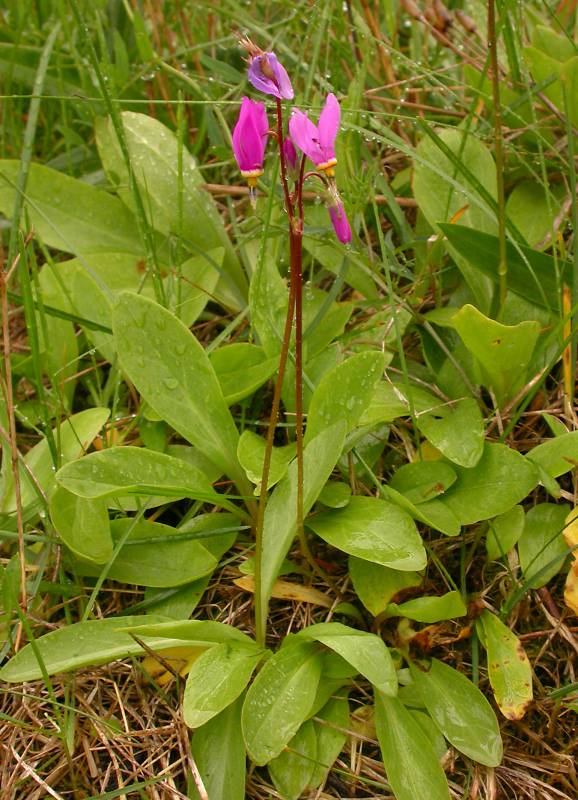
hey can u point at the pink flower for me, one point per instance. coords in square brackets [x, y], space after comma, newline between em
[268, 75]
[340, 223]
[250, 139]
[317, 141]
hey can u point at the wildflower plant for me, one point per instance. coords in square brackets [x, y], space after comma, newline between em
[284, 704]
[316, 143]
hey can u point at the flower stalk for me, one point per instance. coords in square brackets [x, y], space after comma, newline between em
[268, 75]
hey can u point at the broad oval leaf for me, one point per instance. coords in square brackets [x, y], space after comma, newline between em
[121, 471]
[421, 481]
[504, 531]
[500, 479]
[509, 668]
[241, 369]
[412, 767]
[153, 555]
[73, 436]
[541, 546]
[170, 184]
[292, 770]
[216, 679]
[174, 375]
[460, 710]
[330, 737]
[82, 524]
[434, 513]
[69, 214]
[377, 585]
[457, 430]
[219, 753]
[280, 699]
[557, 455]
[251, 454]
[364, 651]
[344, 393]
[375, 530]
[503, 351]
[82, 644]
[430, 609]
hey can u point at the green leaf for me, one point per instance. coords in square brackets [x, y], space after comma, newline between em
[170, 187]
[154, 555]
[83, 644]
[392, 400]
[431, 730]
[412, 768]
[335, 494]
[530, 274]
[503, 351]
[558, 455]
[456, 430]
[433, 513]
[364, 651]
[69, 214]
[460, 710]
[292, 770]
[533, 210]
[193, 631]
[82, 524]
[344, 393]
[280, 699]
[430, 609]
[442, 190]
[216, 679]
[251, 454]
[423, 480]
[194, 284]
[375, 530]
[509, 669]
[174, 375]
[376, 585]
[499, 481]
[241, 369]
[219, 753]
[280, 525]
[330, 737]
[504, 531]
[122, 471]
[542, 542]
[73, 437]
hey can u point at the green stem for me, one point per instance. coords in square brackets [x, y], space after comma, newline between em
[499, 151]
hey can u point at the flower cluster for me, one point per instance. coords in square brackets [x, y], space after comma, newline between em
[316, 142]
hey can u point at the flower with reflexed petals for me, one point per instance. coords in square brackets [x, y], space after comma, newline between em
[318, 141]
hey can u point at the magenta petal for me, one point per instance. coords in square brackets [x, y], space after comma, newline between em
[340, 223]
[268, 75]
[328, 125]
[250, 135]
[281, 77]
[305, 136]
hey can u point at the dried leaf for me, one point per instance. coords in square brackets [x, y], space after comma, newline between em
[285, 590]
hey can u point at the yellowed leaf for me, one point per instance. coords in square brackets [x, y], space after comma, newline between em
[571, 588]
[571, 531]
[180, 659]
[571, 537]
[284, 590]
